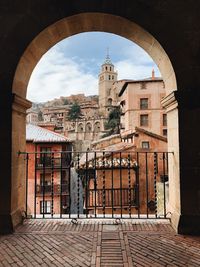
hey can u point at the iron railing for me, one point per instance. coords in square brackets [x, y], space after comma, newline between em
[100, 184]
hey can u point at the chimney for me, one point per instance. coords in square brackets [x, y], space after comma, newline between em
[153, 75]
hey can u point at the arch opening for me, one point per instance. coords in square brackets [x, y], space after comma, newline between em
[83, 23]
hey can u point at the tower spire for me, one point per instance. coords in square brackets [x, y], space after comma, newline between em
[107, 60]
[107, 56]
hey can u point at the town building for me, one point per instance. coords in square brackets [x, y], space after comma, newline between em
[107, 96]
[122, 178]
[140, 102]
[47, 174]
[57, 115]
[31, 116]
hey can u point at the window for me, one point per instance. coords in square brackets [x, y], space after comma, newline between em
[143, 85]
[108, 77]
[45, 207]
[164, 119]
[144, 120]
[45, 156]
[165, 132]
[110, 102]
[143, 103]
[46, 179]
[45, 149]
[145, 144]
[45, 183]
[109, 91]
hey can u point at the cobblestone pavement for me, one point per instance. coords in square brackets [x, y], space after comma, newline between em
[98, 243]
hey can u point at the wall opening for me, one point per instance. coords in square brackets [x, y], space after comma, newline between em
[73, 25]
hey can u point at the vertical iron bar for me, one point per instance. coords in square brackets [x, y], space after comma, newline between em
[43, 183]
[52, 184]
[35, 185]
[129, 186]
[61, 182]
[164, 158]
[120, 166]
[112, 187]
[87, 183]
[95, 185]
[69, 182]
[147, 184]
[104, 192]
[138, 184]
[155, 182]
[27, 159]
[78, 186]
[167, 164]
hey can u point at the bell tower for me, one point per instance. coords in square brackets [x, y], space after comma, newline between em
[107, 77]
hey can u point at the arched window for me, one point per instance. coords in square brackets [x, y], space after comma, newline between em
[88, 128]
[80, 128]
[109, 101]
[97, 127]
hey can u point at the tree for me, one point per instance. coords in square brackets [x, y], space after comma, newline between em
[65, 102]
[40, 116]
[74, 112]
[113, 123]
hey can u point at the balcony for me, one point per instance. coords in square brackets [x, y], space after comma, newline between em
[49, 162]
[47, 189]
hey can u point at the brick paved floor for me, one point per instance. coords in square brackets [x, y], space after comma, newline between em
[98, 243]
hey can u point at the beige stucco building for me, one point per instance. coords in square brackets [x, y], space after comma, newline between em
[31, 116]
[140, 102]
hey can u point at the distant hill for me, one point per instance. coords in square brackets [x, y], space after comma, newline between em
[66, 100]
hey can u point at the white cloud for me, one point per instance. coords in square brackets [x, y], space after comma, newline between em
[69, 68]
[132, 70]
[136, 64]
[56, 76]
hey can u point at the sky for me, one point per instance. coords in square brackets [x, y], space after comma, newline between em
[72, 65]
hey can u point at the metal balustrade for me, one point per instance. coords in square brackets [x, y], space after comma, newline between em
[97, 184]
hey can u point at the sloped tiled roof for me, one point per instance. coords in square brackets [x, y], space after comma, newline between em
[156, 79]
[38, 134]
[163, 138]
[106, 153]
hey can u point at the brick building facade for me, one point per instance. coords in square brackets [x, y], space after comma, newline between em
[48, 179]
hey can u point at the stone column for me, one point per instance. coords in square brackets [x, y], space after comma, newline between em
[183, 111]
[189, 136]
[171, 106]
[19, 107]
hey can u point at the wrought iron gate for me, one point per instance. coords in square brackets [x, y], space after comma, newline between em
[101, 184]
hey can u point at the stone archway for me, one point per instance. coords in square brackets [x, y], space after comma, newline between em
[53, 34]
